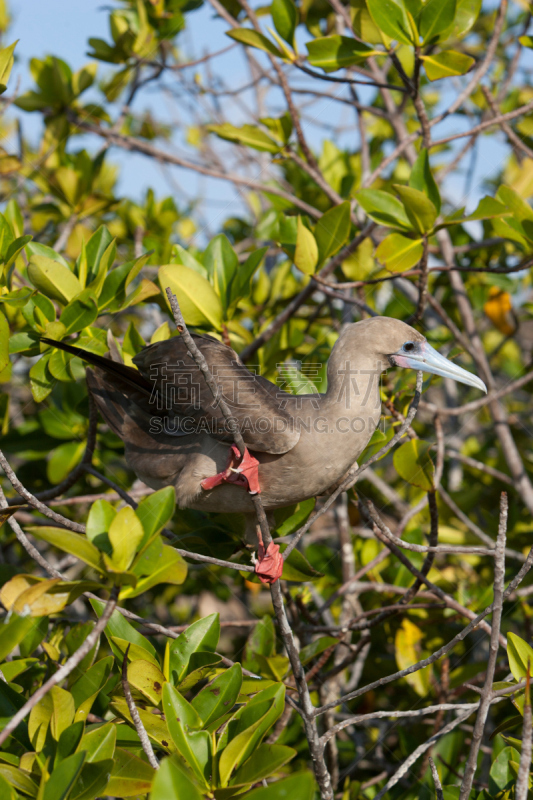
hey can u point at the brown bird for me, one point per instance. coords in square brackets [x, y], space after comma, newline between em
[298, 446]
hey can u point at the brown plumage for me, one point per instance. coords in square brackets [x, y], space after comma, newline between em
[174, 432]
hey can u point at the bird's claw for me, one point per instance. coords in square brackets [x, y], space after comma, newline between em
[268, 564]
[241, 471]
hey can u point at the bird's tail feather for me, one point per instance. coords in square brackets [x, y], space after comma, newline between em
[128, 375]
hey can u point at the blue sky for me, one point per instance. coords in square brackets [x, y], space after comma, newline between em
[62, 28]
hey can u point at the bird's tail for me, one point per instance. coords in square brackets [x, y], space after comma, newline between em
[128, 375]
[123, 396]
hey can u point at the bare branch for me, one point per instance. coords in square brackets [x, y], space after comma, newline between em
[486, 695]
[137, 721]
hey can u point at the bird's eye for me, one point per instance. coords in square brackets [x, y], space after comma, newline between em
[409, 347]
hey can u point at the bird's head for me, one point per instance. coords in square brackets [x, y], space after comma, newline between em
[397, 344]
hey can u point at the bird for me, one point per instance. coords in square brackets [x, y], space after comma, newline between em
[297, 446]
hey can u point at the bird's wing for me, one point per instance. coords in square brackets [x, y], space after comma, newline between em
[256, 404]
[168, 383]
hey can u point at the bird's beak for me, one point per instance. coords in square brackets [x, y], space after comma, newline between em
[429, 360]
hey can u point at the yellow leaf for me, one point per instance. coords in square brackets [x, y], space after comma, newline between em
[306, 252]
[147, 679]
[125, 535]
[407, 648]
[498, 309]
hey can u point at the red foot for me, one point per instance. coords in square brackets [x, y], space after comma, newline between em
[239, 471]
[269, 565]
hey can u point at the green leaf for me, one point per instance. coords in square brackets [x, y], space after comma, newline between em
[331, 53]
[241, 285]
[120, 646]
[314, 649]
[383, 207]
[119, 627]
[446, 64]
[201, 666]
[38, 249]
[296, 518]
[520, 655]
[4, 342]
[7, 792]
[182, 256]
[7, 59]
[125, 534]
[267, 759]
[419, 208]
[99, 744]
[466, 14]
[172, 782]
[306, 250]
[300, 786]
[526, 41]
[436, 17]
[488, 208]
[74, 543]
[221, 263]
[274, 667]
[391, 17]
[53, 279]
[14, 249]
[171, 568]
[92, 780]
[332, 230]
[64, 777]
[201, 635]
[86, 689]
[41, 381]
[10, 702]
[113, 293]
[285, 18]
[421, 178]
[80, 312]
[131, 776]
[149, 557]
[95, 248]
[101, 515]
[155, 511]
[219, 696]
[198, 300]
[63, 460]
[21, 780]
[193, 745]
[62, 711]
[254, 39]
[413, 463]
[253, 723]
[521, 210]
[297, 568]
[247, 135]
[261, 641]
[398, 253]
[502, 776]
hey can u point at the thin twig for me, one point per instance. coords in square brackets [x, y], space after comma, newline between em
[33, 501]
[436, 780]
[306, 708]
[136, 719]
[486, 695]
[522, 781]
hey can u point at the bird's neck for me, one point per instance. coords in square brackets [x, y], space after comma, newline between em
[353, 383]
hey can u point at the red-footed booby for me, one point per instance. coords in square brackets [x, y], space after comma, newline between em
[297, 446]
